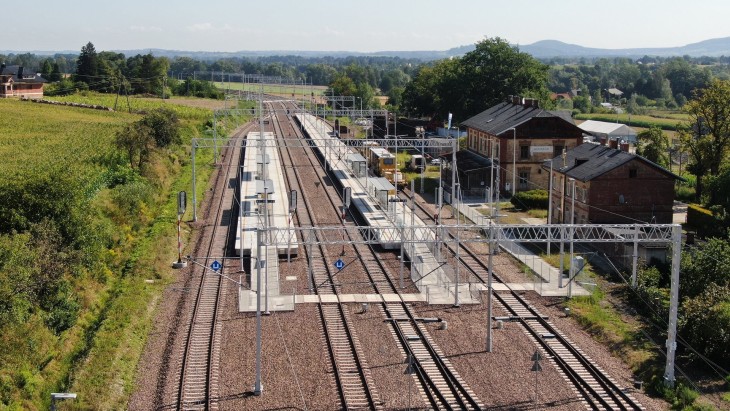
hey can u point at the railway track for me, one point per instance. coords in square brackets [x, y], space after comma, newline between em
[198, 381]
[351, 373]
[440, 384]
[595, 388]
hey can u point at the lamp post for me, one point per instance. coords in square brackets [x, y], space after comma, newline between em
[572, 234]
[258, 388]
[514, 160]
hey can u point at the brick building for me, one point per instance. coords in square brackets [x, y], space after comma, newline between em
[519, 134]
[612, 186]
[15, 81]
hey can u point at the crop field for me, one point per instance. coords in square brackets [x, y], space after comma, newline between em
[184, 108]
[40, 136]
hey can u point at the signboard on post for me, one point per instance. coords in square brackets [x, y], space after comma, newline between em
[292, 201]
[347, 194]
[215, 266]
[181, 202]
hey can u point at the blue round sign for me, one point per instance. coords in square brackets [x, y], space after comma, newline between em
[215, 266]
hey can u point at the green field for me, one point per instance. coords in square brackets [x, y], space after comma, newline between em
[44, 136]
[133, 217]
[136, 104]
[666, 121]
[277, 89]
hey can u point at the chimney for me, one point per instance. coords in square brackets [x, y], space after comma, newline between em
[602, 139]
[510, 98]
[535, 103]
[624, 146]
[613, 143]
[516, 99]
[20, 72]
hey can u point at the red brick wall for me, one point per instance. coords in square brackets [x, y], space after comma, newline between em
[650, 193]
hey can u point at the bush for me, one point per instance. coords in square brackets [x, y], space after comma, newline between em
[528, 200]
[684, 193]
[706, 224]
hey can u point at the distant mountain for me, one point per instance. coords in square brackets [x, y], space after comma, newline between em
[555, 48]
[544, 49]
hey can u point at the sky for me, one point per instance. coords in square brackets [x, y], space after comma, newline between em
[363, 26]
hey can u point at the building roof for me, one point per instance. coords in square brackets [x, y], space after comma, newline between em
[615, 92]
[21, 75]
[500, 118]
[590, 160]
[468, 161]
[603, 128]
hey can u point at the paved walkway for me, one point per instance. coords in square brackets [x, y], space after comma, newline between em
[550, 284]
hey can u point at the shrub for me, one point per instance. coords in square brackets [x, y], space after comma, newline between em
[706, 224]
[528, 200]
[684, 193]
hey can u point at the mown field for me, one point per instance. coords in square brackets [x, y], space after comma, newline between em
[297, 89]
[86, 330]
[663, 120]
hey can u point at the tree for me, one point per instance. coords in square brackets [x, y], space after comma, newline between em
[654, 146]
[137, 142]
[343, 86]
[495, 69]
[708, 138]
[482, 78]
[706, 323]
[55, 73]
[46, 69]
[163, 125]
[87, 65]
[707, 265]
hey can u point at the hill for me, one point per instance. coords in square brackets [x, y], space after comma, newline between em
[542, 50]
[554, 48]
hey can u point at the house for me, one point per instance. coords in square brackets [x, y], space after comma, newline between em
[17, 82]
[611, 185]
[614, 93]
[608, 131]
[519, 136]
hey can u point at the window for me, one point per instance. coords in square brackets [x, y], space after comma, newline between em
[633, 172]
[524, 152]
[524, 178]
[558, 150]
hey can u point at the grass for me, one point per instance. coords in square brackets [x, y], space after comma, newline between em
[538, 213]
[136, 104]
[276, 89]
[106, 378]
[44, 136]
[665, 123]
[97, 358]
[599, 317]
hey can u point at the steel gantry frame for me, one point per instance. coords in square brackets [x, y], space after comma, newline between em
[544, 233]
[668, 234]
[201, 143]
